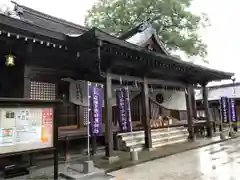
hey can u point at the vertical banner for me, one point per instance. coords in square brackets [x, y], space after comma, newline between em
[232, 110]
[95, 113]
[224, 109]
[123, 106]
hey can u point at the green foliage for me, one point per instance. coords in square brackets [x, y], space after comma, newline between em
[176, 26]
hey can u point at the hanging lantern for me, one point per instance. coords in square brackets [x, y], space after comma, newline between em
[10, 60]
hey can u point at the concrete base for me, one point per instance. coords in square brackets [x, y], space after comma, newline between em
[88, 167]
[134, 155]
[192, 138]
[76, 170]
[222, 136]
[112, 159]
[232, 134]
[150, 149]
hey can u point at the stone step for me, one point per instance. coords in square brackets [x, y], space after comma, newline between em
[172, 141]
[153, 130]
[160, 142]
[160, 137]
[140, 134]
[140, 140]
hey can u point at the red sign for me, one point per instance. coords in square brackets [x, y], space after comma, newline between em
[47, 116]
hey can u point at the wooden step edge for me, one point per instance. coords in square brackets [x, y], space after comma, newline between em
[153, 130]
[142, 141]
[154, 135]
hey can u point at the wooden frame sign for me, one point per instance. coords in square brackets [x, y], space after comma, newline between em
[26, 129]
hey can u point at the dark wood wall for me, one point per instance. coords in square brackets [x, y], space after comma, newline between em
[53, 76]
[11, 79]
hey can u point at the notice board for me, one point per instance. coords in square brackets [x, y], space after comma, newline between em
[25, 129]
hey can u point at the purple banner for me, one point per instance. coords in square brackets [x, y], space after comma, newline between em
[123, 105]
[232, 110]
[224, 109]
[95, 113]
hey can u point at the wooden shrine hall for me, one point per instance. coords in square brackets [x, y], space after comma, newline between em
[46, 49]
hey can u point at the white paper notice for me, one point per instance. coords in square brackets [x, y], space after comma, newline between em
[23, 129]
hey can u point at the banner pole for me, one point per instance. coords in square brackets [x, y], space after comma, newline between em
[230, 117]
[129, 109]
[221, 122]
[130, 116]
[235, 106]
[88, 120]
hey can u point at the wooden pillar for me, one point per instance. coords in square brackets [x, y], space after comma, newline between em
[27, 82]
[145, 114]
[206, 109]
[108, 115]
[188, 96]
[194, 103]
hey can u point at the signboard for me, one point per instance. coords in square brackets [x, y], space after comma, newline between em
[24, 129]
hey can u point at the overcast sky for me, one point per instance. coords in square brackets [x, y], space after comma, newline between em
[222, 38]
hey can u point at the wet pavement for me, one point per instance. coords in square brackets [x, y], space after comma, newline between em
[216, 162]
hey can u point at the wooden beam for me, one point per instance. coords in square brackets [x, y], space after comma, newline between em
[145, 114]
[27, 82]
[123, 63]
[150, 81]
[108, 116]
[167, 83]
[188, 97]
[206, 109]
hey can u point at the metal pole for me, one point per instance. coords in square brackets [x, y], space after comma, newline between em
[221, 122]
[55, 141]
[230, 119]
[88, 121]
[129, 111]
[234, 97]
[129, 104]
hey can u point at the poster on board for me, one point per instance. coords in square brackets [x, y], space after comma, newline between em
[25, 129]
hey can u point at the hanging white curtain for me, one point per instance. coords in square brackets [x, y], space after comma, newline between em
[172, 100]
[176, 101]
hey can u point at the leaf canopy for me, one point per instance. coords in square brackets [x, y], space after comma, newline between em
[175, 24]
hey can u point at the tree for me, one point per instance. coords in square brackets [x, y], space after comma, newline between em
[176, 26]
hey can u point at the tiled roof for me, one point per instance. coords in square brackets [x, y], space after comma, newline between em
[50, 22]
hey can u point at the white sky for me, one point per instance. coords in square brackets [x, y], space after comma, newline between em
[222, 38]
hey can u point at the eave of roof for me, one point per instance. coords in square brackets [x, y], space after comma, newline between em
[51, 20]
[95, 34]
[17, 26]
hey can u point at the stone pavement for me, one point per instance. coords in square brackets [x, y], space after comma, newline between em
[74, 171]
[103, 166]
[144, 156]
[215, 162]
